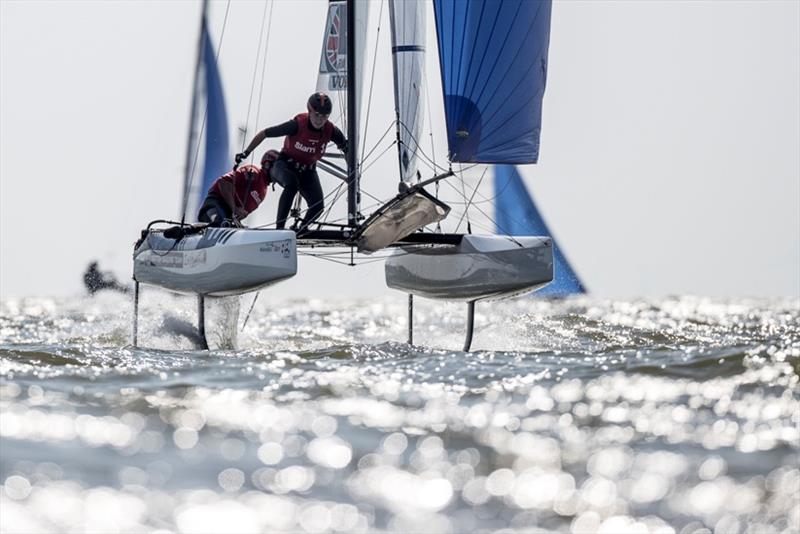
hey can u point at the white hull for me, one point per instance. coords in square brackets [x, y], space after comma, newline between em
[216, 262]
[481, 267]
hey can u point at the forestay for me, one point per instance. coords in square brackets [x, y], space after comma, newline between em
[408, 24]
[493, 58]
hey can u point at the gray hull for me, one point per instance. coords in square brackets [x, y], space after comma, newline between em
[216, 262]
[481, 267]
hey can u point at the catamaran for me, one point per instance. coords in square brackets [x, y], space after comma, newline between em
[493, 64]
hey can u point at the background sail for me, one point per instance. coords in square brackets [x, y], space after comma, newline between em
[210, 121]
[332, 77]
[516, 214]
[408, 59]
[493, 58]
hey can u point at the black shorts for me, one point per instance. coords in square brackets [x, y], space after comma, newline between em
[214, 211]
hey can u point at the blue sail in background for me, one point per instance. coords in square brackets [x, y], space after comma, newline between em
[493, 58]
[516, 214]
[217, 156]
[207, 154]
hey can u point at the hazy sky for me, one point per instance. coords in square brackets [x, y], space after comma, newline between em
[669, 157]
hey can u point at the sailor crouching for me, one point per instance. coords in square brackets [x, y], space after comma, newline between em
[235, 195]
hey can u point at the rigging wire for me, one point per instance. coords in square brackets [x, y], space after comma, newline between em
[371, 86]
[432, 162]
[255, 72]
[464, 192]
[389, 129]
[380, 155]
[338, 192]
[326, 197]
[260, 97]
[469, 202]
[491, 219]
[340, 262]
[264, 66]
[484, 199]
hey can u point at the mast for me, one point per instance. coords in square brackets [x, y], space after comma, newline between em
[192, 137]
[353, 185]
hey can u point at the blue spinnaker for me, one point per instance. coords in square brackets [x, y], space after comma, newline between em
[217, 156]
[516, 214]
[493, 57]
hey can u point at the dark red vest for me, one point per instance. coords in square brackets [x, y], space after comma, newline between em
[250, 183]
[307, 145]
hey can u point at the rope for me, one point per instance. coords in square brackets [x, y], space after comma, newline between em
[469, 202]
[379, 156]
[491, 219]
[464, 192]
[389, 129]
[371, 85]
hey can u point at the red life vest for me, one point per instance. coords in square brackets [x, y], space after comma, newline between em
[307, 145]
[250, 184]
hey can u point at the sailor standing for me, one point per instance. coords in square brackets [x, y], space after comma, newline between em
[307, 134]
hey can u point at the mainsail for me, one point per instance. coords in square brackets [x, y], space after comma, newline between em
[516, 214]
[207, 156]
[408, 60]
[332, 77]
[493, 58]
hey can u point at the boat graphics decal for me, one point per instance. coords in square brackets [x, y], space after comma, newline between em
[334, 53]
[210, 237]
[178, 259]
[284, 247]
[170, 260]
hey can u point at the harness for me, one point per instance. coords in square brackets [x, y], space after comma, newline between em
[296, 165]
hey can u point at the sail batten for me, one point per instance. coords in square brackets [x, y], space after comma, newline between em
[407, 19]
[493, 60]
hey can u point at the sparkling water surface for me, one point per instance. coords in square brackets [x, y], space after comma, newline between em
[677, 415]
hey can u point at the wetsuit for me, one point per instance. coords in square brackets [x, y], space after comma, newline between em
[296, 168]
[236, 193]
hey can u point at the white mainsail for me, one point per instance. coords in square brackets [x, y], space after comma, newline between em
[408, 59]
[333, 61]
